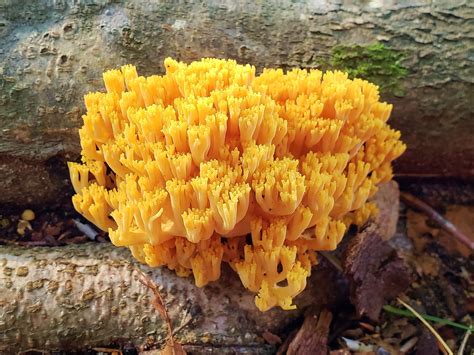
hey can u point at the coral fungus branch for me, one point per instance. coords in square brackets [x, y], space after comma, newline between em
[183, 168]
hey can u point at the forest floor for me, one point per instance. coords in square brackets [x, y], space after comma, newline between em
[441, 271]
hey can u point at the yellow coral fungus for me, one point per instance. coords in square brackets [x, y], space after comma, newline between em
[210, 163]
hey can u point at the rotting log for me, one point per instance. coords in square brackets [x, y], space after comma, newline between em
[90, 295]
[53, 52]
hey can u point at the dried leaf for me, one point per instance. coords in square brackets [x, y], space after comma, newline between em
[53, 230]
[437, 218]
[157, 301]
[417, 229]
[427, 265]
[462, 217]
[172, 348]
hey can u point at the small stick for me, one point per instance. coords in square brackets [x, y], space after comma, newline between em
[439, 219]
[408, 345]
[171, 347]
[464, 342]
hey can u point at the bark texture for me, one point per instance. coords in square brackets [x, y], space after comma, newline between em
[373, 268]
[53, 52]
[312, 337]
[88, 295]
[375, 271]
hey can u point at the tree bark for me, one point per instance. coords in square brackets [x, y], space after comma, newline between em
[90, 295]
[52, 53]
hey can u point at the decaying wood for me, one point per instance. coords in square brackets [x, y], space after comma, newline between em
[374, 270]
[312, 337]
[91, 294]
[54, 52]
[388, 203]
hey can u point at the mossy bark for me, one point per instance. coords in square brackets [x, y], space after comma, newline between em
[52, 53]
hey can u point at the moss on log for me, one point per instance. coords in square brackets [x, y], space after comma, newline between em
[52, 53]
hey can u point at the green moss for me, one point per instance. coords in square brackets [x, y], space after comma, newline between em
[375, 63]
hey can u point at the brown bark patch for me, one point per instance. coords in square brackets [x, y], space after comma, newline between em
[375, 272]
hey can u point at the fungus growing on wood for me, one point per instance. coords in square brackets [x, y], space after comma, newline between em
[211, 163]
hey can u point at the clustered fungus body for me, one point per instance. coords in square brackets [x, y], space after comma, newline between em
[211, 163]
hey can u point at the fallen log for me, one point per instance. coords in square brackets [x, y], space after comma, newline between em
[91, 294]
[54, 52]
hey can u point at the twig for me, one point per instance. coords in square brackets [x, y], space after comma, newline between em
[171, 347]
[158, 303]
[445, 347]
[464, 342]
[408, 345]
[439, 219]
